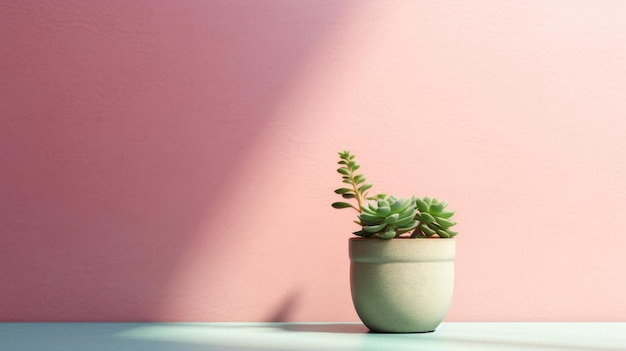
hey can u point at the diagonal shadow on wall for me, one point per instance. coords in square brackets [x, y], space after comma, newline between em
[121, 124]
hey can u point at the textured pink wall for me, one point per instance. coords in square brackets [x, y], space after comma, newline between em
[174, 160]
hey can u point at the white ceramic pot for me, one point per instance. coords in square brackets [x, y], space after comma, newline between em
[402, 285]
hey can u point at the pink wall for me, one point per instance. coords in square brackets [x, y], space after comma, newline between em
[174, 160]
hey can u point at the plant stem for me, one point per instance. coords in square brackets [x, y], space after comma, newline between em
[359, 199]
[417, 231]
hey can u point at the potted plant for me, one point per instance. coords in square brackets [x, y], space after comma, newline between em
[402, 260]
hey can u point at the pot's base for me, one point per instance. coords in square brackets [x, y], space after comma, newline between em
[403, 332]
[398, 330]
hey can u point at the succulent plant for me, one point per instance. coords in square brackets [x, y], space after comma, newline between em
[433, 219]
[357, 186]
[387, 218]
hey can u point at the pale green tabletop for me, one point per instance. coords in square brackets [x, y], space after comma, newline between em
[307, 336]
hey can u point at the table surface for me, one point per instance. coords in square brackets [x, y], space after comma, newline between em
[308, 336]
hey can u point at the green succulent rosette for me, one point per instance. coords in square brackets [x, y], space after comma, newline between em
[433, 219]
[387, 217]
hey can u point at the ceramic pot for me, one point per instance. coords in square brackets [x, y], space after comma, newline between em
[402, 285]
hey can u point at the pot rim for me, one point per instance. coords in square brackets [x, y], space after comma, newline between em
[375, 250]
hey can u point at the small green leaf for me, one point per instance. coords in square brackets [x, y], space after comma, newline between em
[445, 223]
[367, 210]
[383, 203]
[436, 208]
[359, 178]
[409, 211]
[427, 218]
[407, 228]
[392, 218]
[343, 191]
[364, 216]
[427, 231]
[403, 220]
[365, 187]
[389, 234]
[383, 211]
[407, 225]
[374, 228]
[341, 205]
[421, 205]
[445, 214]
[396, 206]
[355, 167]
[443, 234]
[342, 162]
[347, 181]
[348, 196]
[343, 171]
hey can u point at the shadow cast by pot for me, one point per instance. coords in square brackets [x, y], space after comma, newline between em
[286, 308]
[343, 328]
